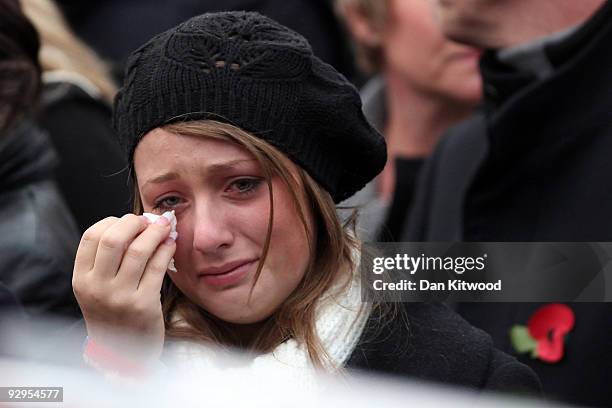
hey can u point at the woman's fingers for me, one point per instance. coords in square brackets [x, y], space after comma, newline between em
[114, 243]
[155, 270]
[88, 247]
[112, 257]
[140, 252]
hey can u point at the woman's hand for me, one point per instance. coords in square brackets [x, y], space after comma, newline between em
[118, 273]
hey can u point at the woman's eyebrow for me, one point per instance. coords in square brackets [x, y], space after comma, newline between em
[213, 168]
[226, 166]
[161, 179]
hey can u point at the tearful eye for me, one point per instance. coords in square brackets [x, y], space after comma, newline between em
[244, 185]
[166, 203]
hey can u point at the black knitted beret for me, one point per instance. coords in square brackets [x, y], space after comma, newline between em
[247, 70]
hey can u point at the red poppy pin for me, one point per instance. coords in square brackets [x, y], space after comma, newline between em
[545, 334]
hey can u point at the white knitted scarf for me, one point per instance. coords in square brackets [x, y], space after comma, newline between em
[340, 323]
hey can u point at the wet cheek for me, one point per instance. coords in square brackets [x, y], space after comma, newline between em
[184, 245]
[289, 242]
[250, 222]
[180, 281]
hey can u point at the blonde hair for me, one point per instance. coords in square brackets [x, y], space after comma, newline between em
[369, 58]
[331, 254]
[62, 51]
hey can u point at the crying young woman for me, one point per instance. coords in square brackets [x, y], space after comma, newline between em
[245, 141]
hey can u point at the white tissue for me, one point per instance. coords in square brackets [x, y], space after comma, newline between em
[169, 215]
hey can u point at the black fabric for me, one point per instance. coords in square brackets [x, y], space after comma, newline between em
[429, 342]
[545, 175]
[26, 156]
[8, 301]
[80, 130]
[406, 176]
[135, 21]
[437, 213]
[248, 70]
[38, 236]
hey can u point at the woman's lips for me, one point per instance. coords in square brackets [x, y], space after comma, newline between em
[468, 54]
[231, 277]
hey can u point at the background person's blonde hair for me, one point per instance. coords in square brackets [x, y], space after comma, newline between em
[369, 57]
[332, 248]
[62, 51]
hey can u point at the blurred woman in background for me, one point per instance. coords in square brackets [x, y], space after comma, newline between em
[423, 84]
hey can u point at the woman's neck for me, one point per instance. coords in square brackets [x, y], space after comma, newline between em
[416, 119]
[415, 122]
[243, 335]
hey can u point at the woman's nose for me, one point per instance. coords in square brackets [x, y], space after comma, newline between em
[212, 232]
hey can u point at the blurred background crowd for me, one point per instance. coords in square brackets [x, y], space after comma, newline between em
[503, 136]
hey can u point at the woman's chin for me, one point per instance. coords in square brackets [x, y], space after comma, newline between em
[238, 309]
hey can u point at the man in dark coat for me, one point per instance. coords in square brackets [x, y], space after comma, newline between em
[534, 165]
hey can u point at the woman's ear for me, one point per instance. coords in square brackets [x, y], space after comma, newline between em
[361, 27]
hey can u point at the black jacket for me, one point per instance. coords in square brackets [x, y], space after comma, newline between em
[136, 21]
[80, 130]
[8, 302]
[38, 237]
[430, 342]
[535, 166]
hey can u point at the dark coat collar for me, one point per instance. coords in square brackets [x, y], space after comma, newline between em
[502, 82]
[546, 117]
[26, 156]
